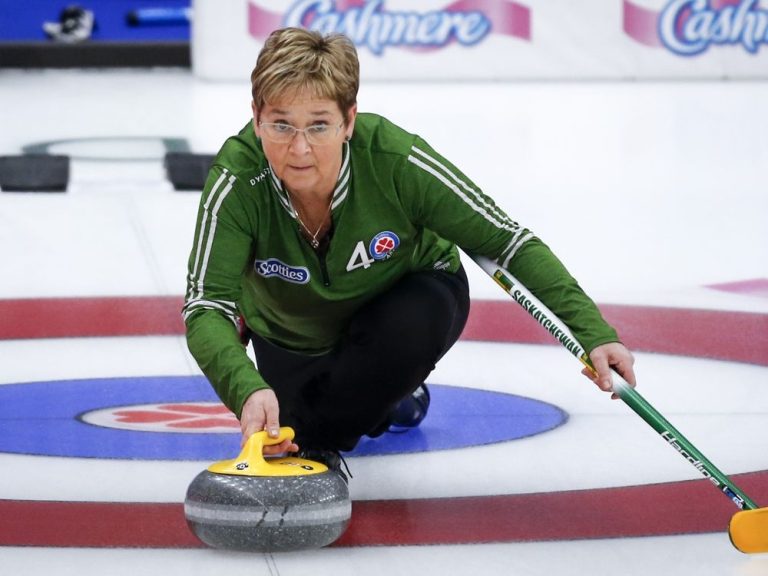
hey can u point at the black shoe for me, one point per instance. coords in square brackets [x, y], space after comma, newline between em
[410, 411]
[331, 458]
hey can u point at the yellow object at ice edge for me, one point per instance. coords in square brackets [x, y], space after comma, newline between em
[749, 531]
[251, 461]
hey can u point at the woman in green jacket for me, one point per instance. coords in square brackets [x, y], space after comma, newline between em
[328, 238]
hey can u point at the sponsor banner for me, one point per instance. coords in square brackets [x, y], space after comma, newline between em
[501, 39]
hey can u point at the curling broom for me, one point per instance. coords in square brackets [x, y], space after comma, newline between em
[748, 528]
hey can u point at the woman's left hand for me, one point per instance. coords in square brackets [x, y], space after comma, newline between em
[612, 355]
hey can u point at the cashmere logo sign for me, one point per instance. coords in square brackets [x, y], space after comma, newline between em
[369, 24]
[692, 27]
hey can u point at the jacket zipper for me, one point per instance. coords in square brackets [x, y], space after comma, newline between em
[321, 252]
[324, 270]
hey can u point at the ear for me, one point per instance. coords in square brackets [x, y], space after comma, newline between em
[350, 127]
[255, 112]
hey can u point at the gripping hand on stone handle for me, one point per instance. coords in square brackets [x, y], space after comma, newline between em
[261, 411]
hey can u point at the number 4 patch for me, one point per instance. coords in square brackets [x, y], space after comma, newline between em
[380, 248]
[359, 258]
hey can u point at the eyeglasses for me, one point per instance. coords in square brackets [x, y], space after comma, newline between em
[317, 134]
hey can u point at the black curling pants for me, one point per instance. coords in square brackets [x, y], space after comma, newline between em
[389, 348]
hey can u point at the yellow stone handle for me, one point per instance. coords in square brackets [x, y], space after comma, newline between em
[251, 461]
[253, 451]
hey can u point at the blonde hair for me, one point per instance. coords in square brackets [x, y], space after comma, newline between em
[294, 59]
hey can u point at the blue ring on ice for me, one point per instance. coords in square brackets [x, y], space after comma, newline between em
[43, 418]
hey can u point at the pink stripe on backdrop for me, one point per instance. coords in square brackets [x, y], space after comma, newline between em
[261, 22]
[641, 24]
[344, 5]
[508, 18]
[720, 4]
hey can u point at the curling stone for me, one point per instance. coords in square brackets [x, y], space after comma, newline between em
[262, 504]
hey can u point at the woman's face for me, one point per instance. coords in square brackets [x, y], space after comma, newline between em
[303, 167]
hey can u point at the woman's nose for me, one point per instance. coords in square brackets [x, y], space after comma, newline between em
[300, 144]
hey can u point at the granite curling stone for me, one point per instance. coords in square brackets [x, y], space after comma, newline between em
[267, 505]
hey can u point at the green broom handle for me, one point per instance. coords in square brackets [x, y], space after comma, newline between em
[621, 387]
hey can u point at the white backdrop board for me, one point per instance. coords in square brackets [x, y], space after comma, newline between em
[501, 39]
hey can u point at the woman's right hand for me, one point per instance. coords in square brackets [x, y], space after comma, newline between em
[261, 411]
